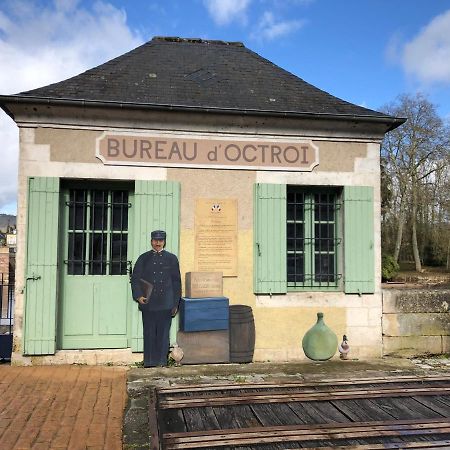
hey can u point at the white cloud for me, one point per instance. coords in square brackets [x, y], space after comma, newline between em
[225, 11]
[427, 56]
[39, 46]
[268, 28]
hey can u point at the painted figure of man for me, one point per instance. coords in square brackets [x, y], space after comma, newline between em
[156, 286]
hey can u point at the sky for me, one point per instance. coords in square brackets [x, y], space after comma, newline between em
[364, 51]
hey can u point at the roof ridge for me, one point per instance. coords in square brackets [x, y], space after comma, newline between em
[195, 41]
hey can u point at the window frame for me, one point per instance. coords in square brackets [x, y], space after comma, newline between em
[108, 265]
[309, 221]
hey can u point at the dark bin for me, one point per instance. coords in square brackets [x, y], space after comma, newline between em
[6, 341]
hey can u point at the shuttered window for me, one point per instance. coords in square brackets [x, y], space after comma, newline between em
[313, 239]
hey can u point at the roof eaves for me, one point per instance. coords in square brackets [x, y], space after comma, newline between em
[393, 122]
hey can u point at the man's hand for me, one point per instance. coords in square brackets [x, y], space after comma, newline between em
[142, 300]
[174, 311]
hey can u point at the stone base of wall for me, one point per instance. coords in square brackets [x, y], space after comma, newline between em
[122, 357]
[416, 321]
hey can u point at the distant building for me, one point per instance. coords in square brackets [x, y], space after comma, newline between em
[251, 171]
[11, 239]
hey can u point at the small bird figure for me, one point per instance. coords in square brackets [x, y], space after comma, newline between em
[344, 348]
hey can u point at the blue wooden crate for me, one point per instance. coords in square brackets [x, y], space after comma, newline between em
[204, 314]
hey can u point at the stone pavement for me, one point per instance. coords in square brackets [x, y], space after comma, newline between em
[62, 407]
[80, 407]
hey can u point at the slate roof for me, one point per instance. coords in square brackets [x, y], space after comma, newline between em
[200, 75]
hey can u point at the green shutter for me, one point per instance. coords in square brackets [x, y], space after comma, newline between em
[269, 224]
[359, 265]
[41, 268]
[156, 207]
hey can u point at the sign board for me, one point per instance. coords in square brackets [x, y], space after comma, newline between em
[143, 150]
[203, 284]
[216, 236]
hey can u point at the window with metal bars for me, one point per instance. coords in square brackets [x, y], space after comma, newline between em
[97, 232]
[313, 241]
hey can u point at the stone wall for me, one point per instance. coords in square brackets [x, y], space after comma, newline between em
[416, 321]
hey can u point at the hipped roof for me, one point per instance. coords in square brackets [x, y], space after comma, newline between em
[199, 75]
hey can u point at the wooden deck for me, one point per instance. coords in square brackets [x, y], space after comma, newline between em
[402, 412]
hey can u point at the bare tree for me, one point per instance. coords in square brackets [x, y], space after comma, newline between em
[415, 157]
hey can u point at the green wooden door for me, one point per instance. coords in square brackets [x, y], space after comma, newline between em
[94, 283]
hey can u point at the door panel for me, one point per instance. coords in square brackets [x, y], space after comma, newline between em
[95, 292]
[112, 309]
[157, 207]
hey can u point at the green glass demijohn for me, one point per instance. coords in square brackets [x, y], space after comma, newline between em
[319, 342]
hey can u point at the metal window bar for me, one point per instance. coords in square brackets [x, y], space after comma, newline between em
[312, 233]
[99, 236]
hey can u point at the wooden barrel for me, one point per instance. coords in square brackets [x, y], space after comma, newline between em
[242, 334]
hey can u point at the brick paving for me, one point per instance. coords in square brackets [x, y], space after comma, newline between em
[62, 407]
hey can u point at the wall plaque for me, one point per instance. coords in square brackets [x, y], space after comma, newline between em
[216, 236]
[171, 151]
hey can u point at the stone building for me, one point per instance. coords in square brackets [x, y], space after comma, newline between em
[252, 172]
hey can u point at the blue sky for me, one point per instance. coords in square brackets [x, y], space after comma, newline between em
[364, 51]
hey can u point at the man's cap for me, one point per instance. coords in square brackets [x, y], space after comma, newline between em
[158, 234]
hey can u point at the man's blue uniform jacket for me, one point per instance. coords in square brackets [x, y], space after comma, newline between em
[163, 271]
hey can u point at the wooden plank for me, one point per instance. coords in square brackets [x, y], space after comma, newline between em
[307, 413]
[171, 420]
[236, 440]
[361, 410]
[444, 399]
[405, 408]
[330, 412]
[364, 410]
[200, 419]
[393, 445]
[270, 397]
[153, 420]
[395, 409]
[420, 410]
[322, 415]
[336, 382]
[277, 414]
[435, 404]
[294, 434]
[239, 416]
[243, 392]
[310, 428]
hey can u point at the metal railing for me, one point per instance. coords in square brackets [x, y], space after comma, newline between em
[6, 315]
